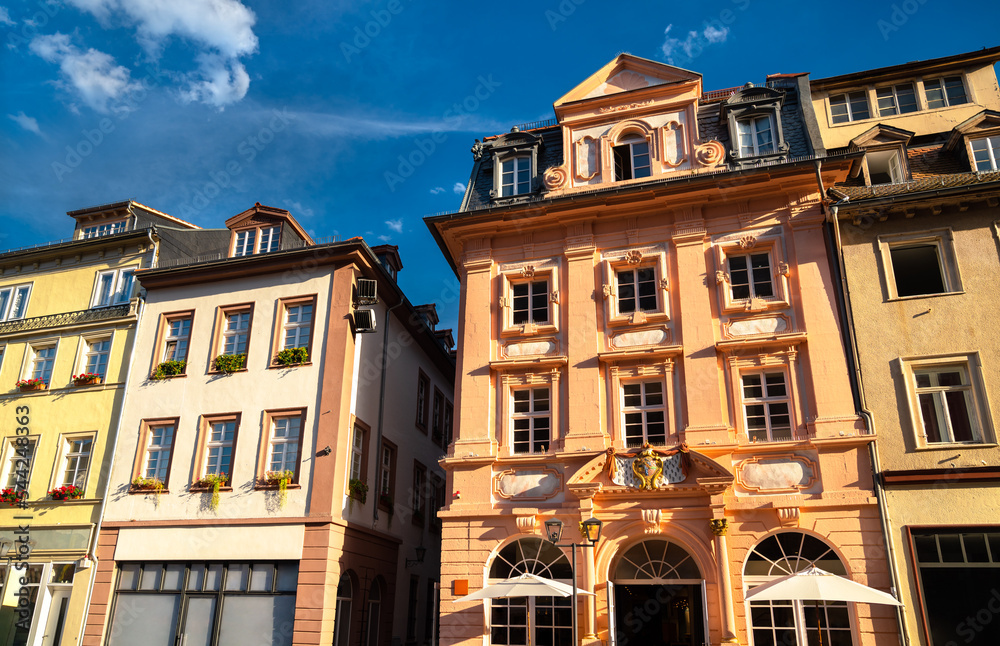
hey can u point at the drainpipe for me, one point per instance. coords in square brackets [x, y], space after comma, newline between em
[850, 341]
[381, 404]
[114, 452]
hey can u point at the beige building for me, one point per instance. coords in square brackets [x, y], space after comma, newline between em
[277, 470]
[916, 222]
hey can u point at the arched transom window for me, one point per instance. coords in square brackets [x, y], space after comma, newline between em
[784, 623]
[656, 561]
[531, 556]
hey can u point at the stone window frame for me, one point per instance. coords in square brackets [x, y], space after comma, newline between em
[266, 444]
[943, 239]
[617, 136]
[520, 145]
[281, 325]
[785, 360]
[525, 272]
[507, 384]
[748, 104]
[750, 243]
[635, 258]
[218, 337]
[204, 436]
[980, 408]
[141, 461]
[621, 374]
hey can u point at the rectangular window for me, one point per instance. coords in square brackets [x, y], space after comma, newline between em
[636, 290]
[631, 159]
[246, 243]
[986, 153]
[106, 229]
[419, 493]
[43, 358]
[515, 176]
[220, 443]
[852, 106]
[96, 356]
[236, 333]
[411, 608]
[358, 454]
[750, 276]
[766, 407]
[423, 392]
[916, 269]
[437, 503]
[113, 287]
[531, 302]
[386, 475]
[177, 338]
[76, 461]
[437, 418]
[944, 92]
[298, 325]
[159, 444]
[896, 99]
[190, 603]
[270, 238]
[885, 167]
[756, 136]
[449, 420]
[14, 302]
[17, 466]
[644, 411]
[531, 420]
[947, 412]
[286, 433]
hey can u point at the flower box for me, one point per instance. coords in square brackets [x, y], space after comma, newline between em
[169, 369]
[13, 497]
[154, 485]
[67, 492]
[86, 379]
[229, 363]
[29, 385]
[292, 357]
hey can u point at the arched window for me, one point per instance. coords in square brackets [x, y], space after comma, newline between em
[631, 158]
[541, 621]
[656, 561]
[342, 619]
[774, 623]
[374, 606]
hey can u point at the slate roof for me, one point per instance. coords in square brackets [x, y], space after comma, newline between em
[710, 126]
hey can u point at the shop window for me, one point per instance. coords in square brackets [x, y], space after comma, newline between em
[531, 620]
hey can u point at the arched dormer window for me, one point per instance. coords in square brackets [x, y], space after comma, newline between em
[515, 164]
[631, 158]
[754, 118]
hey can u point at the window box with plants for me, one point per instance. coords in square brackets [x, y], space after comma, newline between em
[279, 480]
[169, 369]
[14, 497]
[147, 485]
[213, 482]
[86, 379]
[357, 490]
[229, 363]
[66, 492]
[29, 385]
[291, 357]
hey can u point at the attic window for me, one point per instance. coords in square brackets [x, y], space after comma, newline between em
[631, 158]
[885, 167]
[105, 229]
[258, 240]
[756, 136]
[986, 153]
[515, 176]
[896, 99]
[849, 107]
[945, 92]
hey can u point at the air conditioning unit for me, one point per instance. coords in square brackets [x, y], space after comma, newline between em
[364, 320]
[367, 291]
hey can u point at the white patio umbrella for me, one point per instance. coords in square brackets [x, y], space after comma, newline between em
[814, 584]
[524, 585]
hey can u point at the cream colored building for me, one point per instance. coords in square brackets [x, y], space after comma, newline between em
[917, 226]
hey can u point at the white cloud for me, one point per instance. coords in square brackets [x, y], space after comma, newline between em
[395, 225]
[221, 29]
[458, 188]
[5, 17]
[92, 74]
[297, 209]
[692, 45]
[26, 122]
[365, 126]
[385, 238]
[437, 190]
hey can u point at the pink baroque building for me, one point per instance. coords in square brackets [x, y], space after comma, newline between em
[649, 336]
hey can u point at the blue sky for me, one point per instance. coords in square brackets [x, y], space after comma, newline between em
[200, 108]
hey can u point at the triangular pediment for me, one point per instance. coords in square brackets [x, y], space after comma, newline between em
[627, 73]
[880, 134]
[987, 120]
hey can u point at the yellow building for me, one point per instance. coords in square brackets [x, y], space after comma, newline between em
[916, 222]
[67, 310]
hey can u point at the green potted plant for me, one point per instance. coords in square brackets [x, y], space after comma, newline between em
[358, 491]
[229, 363]
[66, 492]
[292, 356]
[213, 481]
[27, 385]
[86, 379]
[169, 369]
[280, 479]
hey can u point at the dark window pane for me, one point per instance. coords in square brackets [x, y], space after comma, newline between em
[916, 270]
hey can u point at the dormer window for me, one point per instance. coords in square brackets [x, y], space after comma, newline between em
[885, 167]
[631, 157]
[756, 136]
[945, 92]
[986, 153]
[852, 106]
[515, 176]
[254, 241]
[105, 229]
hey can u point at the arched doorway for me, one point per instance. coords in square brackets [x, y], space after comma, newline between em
[342, 617]
[531, 621]
[659, 596]
[794, 623]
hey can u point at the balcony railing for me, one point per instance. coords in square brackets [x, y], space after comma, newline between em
[68, 318]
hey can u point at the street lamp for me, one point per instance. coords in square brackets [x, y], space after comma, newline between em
[421, 552]
[591, 530]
